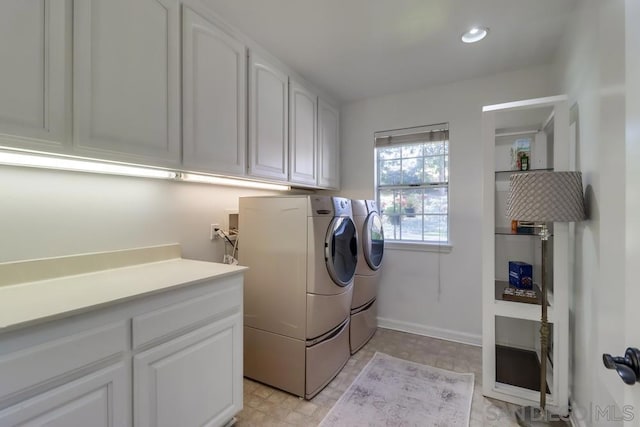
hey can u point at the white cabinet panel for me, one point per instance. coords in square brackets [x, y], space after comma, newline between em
[162, 323]
[303, 147]
[98, 399]
[214, 103]
[35, 43]
[193, 380]
[51, 359]
[126, 80]
[268, 117]
[329, 151]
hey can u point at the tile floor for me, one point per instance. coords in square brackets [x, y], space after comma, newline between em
[265, 406]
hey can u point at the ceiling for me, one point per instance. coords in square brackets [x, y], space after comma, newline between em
[355, 49]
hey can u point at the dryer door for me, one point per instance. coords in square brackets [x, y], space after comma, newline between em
[373, 241]
[341, 250]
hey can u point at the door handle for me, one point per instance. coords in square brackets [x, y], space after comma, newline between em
[628, 367]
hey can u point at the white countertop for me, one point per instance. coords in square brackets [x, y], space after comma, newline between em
[44, 300]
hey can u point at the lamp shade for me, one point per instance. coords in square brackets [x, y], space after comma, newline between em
[546, 197]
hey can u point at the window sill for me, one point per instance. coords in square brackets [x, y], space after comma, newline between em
[418, 247]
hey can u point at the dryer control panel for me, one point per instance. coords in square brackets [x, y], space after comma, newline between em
[342, 206]
[372, 206]
[321, 206]
[330, 206]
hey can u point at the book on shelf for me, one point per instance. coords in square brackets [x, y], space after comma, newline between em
[525, 227]
[529, 296]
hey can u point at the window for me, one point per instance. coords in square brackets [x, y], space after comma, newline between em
[412, 183]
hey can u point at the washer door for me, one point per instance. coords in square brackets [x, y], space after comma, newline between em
[373, 241]
[341, 250]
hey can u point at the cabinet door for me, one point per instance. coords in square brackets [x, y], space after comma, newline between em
[329, 150]
[214, 84]
[193, 380]
[126, 87]
[303, 147]
[35, 43]
[98, 399]
[268, 112]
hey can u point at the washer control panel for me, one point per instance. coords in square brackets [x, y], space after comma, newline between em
[342, 206]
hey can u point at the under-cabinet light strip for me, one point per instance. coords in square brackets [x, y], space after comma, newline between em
[37, 160]
[49, 162]
[208, 179]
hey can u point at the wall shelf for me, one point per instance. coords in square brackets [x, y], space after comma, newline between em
[510, 328]
[504, 231]
[519, 171]
[518, 368]
[501, 284]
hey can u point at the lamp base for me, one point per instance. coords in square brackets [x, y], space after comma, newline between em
[531, 416]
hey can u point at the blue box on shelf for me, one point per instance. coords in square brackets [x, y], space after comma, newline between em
[520, 275]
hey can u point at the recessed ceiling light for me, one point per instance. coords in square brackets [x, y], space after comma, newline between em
[474, 34]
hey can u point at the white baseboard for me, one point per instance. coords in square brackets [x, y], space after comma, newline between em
[577, 420]
[444, 334]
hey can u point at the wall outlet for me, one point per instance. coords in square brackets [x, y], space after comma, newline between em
[213, 234]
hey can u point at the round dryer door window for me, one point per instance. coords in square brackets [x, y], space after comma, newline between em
[373, 241]
[341, 250]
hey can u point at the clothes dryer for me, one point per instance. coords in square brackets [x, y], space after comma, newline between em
[365, 288]
[302, 255]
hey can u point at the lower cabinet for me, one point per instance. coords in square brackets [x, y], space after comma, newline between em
[170, 359]
[189, 381]
[97, 399]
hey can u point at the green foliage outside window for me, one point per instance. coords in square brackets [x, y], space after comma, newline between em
[412, 191]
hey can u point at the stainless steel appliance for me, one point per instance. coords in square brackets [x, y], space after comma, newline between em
[364, 310]
[302, 253]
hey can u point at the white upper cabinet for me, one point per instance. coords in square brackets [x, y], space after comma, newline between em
[329, 150]
[137, 81]
[268, 113]
[126, 80]
[35, 75]
[214, 84]
[303, 146]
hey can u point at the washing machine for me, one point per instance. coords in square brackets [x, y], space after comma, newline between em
[364, 313]
[302, 255]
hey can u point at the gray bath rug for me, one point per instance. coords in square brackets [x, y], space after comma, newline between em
[395, 392]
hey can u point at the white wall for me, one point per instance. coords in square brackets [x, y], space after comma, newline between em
[592, 63]
[425, 292]
[50, 213]
[632, 154]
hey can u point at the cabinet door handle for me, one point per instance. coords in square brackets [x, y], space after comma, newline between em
[628, 367]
